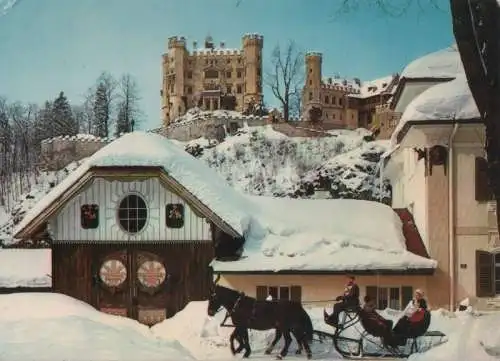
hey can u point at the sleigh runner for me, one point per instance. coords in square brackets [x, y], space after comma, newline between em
[368, 342]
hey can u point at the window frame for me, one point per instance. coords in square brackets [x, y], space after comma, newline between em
[402, 302]
[292, 291]
[120, 219]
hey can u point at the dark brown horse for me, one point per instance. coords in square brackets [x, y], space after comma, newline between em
[248, 313]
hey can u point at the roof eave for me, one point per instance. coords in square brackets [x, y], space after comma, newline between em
[360, 272]
[402, 133]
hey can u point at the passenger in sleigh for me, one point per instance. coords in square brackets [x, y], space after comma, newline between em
[348, 301]
[413, 318]
[369, 308]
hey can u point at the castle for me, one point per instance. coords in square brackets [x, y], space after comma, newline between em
[210, 77]
[343, 103]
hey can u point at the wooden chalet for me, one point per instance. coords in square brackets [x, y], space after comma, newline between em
[131, 240]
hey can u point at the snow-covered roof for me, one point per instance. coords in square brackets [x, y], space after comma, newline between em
[376, 87]
[450, 100]
[149, 149]
[25, 268]
[327, 235]
[445, 63]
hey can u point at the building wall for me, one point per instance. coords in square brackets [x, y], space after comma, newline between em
[187, 81]
[108, 194]
[320, 290]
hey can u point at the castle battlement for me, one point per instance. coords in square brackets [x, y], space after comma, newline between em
[220, 51]
[345, 88]
[176, 42]
[314, 54]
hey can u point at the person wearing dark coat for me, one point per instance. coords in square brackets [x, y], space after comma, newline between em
[349, 300]
[412, 314]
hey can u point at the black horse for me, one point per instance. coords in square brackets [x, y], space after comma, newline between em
[248, 313]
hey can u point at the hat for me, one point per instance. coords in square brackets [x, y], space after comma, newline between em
[419, 291]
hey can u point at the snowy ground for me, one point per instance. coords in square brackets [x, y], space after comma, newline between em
[56, 327]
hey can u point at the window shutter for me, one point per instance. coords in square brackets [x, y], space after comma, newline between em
[261, 293]
[483, 192]
[484, 274]
[406, 295]
[372, 292]
[296, 293]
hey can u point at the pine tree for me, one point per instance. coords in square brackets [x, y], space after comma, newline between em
[64, 122]
[101, 111]
[122, 125]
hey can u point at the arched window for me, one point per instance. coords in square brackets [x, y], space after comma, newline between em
[132, 213]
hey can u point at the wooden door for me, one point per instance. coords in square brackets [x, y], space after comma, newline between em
[112, 282]
[132, 283]
[149, 287]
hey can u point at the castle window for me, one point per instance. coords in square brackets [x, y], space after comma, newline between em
[327, 100]
[174, 215]
[259, 72]
[239, 89]
[228, 61]
[206, 61]
[211, 74]
[190, 75]
[89, 216]
[333, 115]
[310, 82]
[310, 70]
[238, 74]
[229, 88]
[310, 96]
[190, 90]
[228, 74]
[340, 101]
[239, 60]
[334, 100]
[483, 191]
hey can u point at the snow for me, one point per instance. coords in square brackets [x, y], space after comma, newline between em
[375, 87]
[328, 240]
[196, 114]
[45, 326]
[444, 63]
[262, 161]
[451, 100]
[25, 268]
[155, 150]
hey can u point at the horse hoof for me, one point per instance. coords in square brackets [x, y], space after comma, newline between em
[298, 352]
[309, 356]
[267, 352]
[279, 357]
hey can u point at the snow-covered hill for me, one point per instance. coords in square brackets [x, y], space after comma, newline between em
[261, 161]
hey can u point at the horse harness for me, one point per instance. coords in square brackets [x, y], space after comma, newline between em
[229, 313]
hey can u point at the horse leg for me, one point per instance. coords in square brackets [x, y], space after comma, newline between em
[246, 342]
[288, 341]
[240, 338]
[234, 335]
[277, 336]
[298, 338]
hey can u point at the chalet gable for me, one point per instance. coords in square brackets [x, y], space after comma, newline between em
[141, 154]
[123, 174]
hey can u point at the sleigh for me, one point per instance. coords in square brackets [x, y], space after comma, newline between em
[359, 336]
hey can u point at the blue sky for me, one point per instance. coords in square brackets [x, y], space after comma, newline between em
[51, 45]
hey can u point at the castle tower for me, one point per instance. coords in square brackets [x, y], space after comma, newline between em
[173, 104]
[312, 86]
[252, 53]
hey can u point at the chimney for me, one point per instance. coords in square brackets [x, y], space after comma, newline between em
[329, 80]
[222, 45]
[357, 81]
[195, 45]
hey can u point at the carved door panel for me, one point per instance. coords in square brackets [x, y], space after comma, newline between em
[149, 287]
[112, 281]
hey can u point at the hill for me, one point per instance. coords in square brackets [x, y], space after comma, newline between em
[261, 161]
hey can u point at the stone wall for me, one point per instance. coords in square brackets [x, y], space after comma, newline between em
[58, 152]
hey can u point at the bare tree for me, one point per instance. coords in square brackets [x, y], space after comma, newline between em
[286, 77]
[128, 105]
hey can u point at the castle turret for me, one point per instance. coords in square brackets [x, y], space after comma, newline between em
[252, 51]
[173, 79]
[312, 87]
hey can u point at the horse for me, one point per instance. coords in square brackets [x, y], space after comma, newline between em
[248, 313]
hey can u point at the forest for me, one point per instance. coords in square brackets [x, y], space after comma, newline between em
[109, 107]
